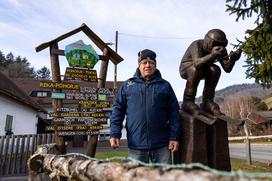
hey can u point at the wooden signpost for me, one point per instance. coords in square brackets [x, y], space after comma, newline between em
[80, 74]
[88, 117]
[85, 96]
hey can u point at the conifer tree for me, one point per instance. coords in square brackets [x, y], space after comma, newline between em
[258, 42]
[43, 73]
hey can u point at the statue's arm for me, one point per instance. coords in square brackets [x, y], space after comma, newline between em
[228, 62]
[201, 59]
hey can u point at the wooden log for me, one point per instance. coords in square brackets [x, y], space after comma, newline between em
[80, 168]
[103, 71]
[57, 52]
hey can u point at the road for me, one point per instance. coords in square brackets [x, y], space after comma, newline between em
[259, 152]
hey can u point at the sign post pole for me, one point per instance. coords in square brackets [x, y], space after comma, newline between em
[56, 103]
[92, 142]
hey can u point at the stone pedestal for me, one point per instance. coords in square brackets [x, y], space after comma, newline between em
[202, 143]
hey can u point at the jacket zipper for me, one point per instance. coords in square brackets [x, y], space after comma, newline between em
[146, 115]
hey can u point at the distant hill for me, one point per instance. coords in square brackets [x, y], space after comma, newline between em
[240, 89]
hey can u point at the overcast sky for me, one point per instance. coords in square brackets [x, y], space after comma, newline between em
[165, 26]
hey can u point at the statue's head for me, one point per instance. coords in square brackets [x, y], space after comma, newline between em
[215, 37]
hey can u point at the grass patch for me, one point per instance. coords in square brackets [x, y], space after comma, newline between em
[238, 164]
[104, 155]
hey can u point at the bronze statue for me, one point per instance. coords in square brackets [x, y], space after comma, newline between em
[204, 135]
[198, 63]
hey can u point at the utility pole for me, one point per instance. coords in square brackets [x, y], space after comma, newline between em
[115, 65]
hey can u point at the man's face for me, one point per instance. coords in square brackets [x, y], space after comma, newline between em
[147, 68]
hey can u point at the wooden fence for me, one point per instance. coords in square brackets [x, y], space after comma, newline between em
[16, 149]
[248, 145]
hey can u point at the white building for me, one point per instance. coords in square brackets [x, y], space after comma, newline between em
[19, 114]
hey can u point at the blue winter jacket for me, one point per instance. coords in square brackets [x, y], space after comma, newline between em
[152, 112]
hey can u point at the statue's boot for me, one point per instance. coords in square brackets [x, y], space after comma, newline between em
[189, 105]
[211, 107]
[193, 109]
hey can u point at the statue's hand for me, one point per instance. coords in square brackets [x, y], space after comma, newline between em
[218, 52]
[234, 56]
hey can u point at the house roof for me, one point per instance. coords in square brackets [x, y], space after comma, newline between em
[260, 117]
[113, 56]
[256, 118]
[10, 89]
[266, 114]
[29, 85]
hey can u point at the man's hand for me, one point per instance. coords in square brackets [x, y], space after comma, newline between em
[115, 143]
[173, 146]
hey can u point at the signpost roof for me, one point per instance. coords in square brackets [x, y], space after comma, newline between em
[113, 56]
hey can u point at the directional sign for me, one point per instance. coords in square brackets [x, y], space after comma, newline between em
[73, 128]
[57, 85]
[74, 133]
[94, 104]
[94, 90]
[80, 74]
[80, 96]
[93, 111]
[83, 110]
[84, 114]
[58, 95]
[79, 121]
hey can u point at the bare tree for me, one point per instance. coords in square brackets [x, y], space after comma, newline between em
[243, 108]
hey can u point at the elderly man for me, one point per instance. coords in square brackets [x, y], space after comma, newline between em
[152, 113]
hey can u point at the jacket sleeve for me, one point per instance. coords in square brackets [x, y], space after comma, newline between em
[118, 113]
[174, 117]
